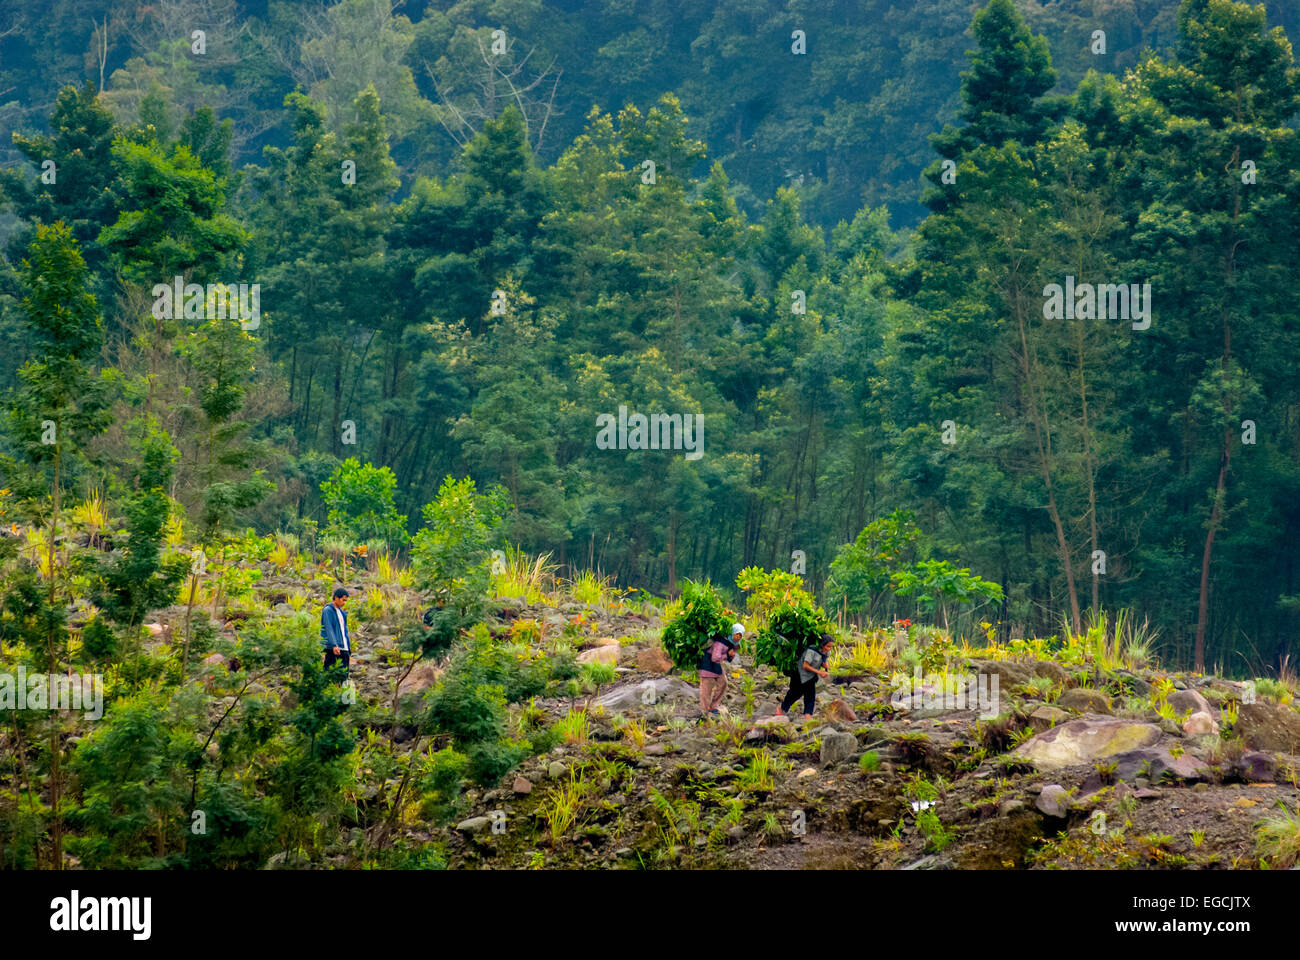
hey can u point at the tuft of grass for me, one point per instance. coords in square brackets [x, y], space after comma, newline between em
[869, 762]
[1277, 838]
[574, 727]
[757, 776]
[524, 576]
[589, 588]
[561, 808]
[869, 653]
[1274, 690]
[914, 748]
[92, 513]
[634, 733]
[747, 688]
[1110, 641]
[385, 569]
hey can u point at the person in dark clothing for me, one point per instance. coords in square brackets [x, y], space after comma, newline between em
[803, 677]
[334, 636]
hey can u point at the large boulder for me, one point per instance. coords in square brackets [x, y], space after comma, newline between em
[646, 693]
[1046, 717]
[1009, 672]
[837, 746]
[841, 711]
[1084, 700]
[1189, 701]
[1267, 726]
[1200, 723]
[1084, 741]
[1256, 766]
[1054, 801]
[607, 655]
[1052, 671]
[1153, 763]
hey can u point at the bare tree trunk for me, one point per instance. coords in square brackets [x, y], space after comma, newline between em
[1043, 440]
[56, 748]
[1216, 515]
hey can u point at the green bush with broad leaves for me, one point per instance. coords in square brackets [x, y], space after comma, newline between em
[360, 499]
[792, 628]
[938, 585]
[701, 618]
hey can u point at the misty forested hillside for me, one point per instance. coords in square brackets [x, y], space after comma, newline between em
[976, 322]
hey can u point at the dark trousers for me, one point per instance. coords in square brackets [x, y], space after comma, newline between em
[799, 688]
[345, 658]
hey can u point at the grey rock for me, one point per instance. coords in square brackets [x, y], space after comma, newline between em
[645, 694]
[1053, 801]
[1189, 701]
[1084, 741]
[1046, 717]
[474, 825]
[933, 862]
[1256, 766]
[838, 746]
[1083, 700]
[1267, 726]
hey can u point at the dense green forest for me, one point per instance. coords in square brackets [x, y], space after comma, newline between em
[568, 334]
[464, 258]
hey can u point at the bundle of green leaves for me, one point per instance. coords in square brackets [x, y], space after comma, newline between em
[792, 628]
[700, 619]
[767, 590]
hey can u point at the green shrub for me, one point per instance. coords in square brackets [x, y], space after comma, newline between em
[452, 555]
[361, 507]
[564, 665]
[469, 710]
[490, 761]
[442, 780]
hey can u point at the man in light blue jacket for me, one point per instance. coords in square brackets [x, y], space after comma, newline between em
[334, 636]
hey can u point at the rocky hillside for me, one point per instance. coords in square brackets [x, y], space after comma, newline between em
[1081, 765]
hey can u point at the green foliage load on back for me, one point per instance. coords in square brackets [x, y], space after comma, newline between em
[700, 619]
[792, 628]
[769, 589]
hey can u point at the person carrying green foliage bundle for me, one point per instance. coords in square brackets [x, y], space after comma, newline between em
[803, 677]
[713, 682]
